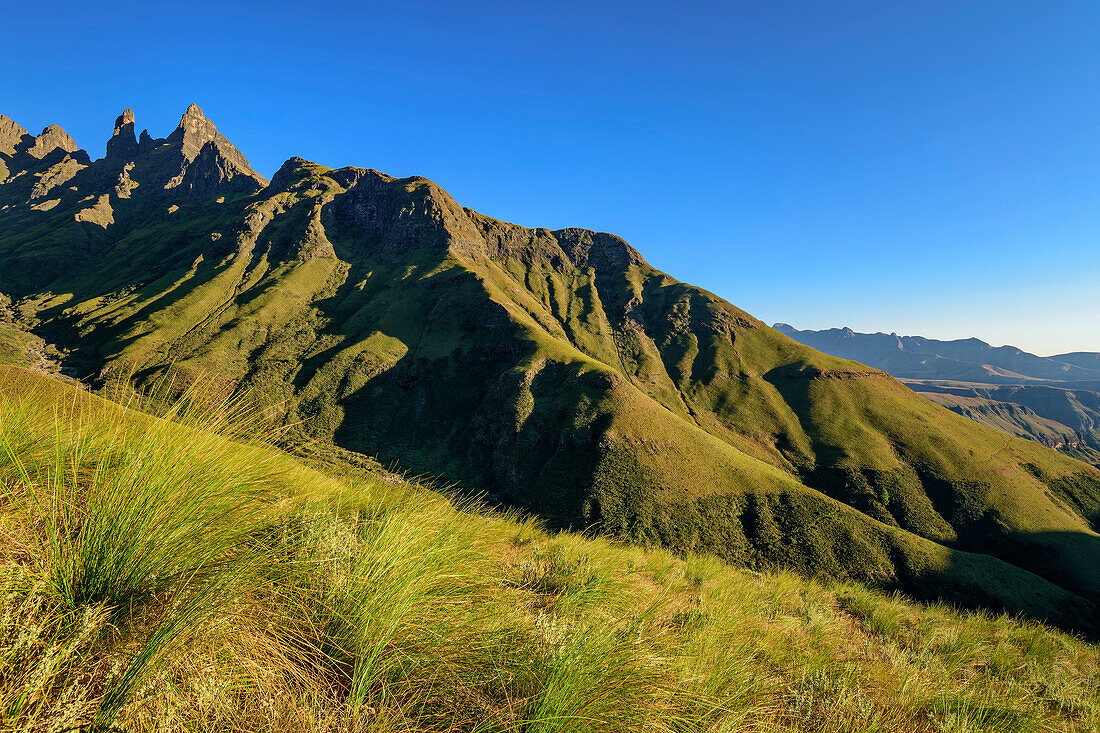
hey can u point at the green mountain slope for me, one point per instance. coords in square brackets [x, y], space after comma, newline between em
[1008, 417]
[556, 370]
[1067, 420]
[210, 581]
[1053, 400]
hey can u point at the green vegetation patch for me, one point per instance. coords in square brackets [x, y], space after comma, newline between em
[177, 571]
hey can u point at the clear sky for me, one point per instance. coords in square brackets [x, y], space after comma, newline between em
[930, 168]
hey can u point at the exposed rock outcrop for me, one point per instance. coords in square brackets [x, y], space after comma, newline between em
[56, 175]
[194, 133]
[212, 172]
[11, 135]
[52, 138]
[101, 214]
[123, 143]
[146, 142]
[48, 174]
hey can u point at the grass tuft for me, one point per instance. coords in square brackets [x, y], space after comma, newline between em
[157, 574]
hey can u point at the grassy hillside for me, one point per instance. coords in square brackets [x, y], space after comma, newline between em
[20, 347]
[1016, 419]
[1052, 400]
[1062, 417]
[554, 370]
[161, 574]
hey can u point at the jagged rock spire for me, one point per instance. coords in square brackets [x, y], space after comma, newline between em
[123, 143]
[194, 131]
[146, 142]
[195, 159]
[195, 137]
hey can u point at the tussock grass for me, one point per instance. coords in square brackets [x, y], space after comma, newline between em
[173, 571]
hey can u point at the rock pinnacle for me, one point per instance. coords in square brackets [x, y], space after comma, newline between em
[123, 143]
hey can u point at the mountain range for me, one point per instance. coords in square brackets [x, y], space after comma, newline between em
[553, 370]
[1054, 400]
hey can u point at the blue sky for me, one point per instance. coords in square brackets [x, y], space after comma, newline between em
[929, 168]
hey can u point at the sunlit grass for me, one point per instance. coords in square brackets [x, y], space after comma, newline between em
[176, 572]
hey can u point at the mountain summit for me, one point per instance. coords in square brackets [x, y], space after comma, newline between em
[195, 134]
[553, 369]
[194, 164]
[123, 142]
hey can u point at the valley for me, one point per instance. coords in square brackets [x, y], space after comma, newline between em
[1052, 400]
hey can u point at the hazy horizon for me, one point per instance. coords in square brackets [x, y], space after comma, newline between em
[938, 337]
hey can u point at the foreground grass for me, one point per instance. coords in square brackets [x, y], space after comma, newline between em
[179, 574]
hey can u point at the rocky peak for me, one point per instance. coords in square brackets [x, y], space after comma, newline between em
[193, 134]
[123, 144]
[587, 248]
[11, 134]
[52, 138]
[194, 131]
[146, 142]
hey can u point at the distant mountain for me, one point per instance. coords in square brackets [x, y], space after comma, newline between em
[553, 369]
[916, 357]
[1086, 359]
[1054, 400]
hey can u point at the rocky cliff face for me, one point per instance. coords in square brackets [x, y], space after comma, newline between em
[15, 142]
[123, 143]
[50, 139]
[555, 370]
[70, 207]
[11, 135]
